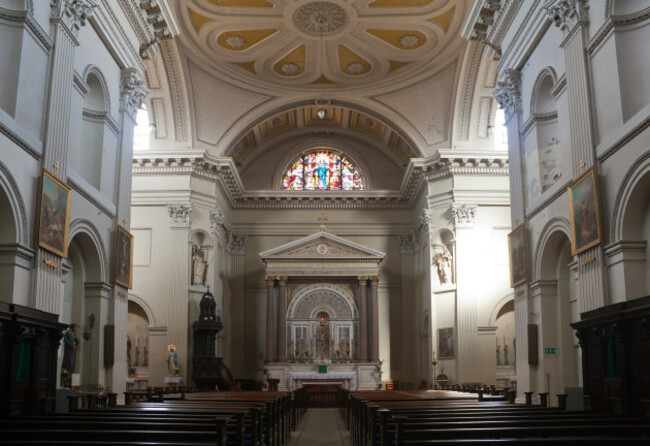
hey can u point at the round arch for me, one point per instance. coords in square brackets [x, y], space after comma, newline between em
[346, 308]
[97, 72]
[629, 201]
[85, 234]
[145, 306]
[17, 205]
[545, 73]
[499, 306]
[554, 232]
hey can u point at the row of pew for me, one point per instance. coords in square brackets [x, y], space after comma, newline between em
[214, 418]
[435, 417]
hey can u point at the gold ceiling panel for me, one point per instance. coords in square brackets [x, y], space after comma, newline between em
[333, 116]
[351, 63]
[243, 147]
[400, 147]
[293, 64]
[248, 66]
[244, 3]
[398, 3]
[401, 39]
[394, 65]
[323, 80]
[278, 124]
[242, 40]
[366, 124]
[444, 19]
[198, 19]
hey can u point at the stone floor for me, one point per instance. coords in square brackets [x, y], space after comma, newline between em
[321, 427]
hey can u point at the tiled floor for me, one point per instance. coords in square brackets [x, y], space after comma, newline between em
[321, 427]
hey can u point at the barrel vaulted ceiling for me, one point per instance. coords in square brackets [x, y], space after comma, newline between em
[256, 72]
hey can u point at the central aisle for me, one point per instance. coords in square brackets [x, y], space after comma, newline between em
[321, 427]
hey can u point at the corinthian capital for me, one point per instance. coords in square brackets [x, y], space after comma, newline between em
[180, 213]
[409, 243]
[133, 91]
[427, 220]
[217, 219]
[237, 243]
[566, 14]
[508, 92]
[464, 214]
[73, 13]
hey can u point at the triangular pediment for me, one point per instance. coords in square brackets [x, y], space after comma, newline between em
[322, 245]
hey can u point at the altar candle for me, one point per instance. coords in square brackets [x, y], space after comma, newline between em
[137, 340]
[504, 340]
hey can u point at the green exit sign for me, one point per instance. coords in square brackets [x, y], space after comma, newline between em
[551, 351]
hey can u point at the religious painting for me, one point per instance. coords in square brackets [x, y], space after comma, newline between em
[198, 265]
[124, 258]
[584, 212]
[54, 220]
[517, 248]
[446, 343]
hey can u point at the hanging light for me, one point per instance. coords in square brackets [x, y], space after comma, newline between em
[322, 112]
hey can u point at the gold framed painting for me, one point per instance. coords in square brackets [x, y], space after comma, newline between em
[517, 250]
[124, 258]
[446, 343]
[54, 215]
[584, 210]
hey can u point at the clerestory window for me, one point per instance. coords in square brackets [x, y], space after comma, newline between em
[322, 170]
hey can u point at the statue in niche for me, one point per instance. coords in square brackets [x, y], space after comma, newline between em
[199, 265]
[443, 262]
[173, 365]
[128, 351]
[70, 346]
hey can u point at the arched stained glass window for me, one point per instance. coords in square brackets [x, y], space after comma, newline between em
[322, 170]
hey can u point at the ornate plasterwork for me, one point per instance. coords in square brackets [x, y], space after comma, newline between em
[464, 214]
[565, 14]
[73, 13]
[323, 298]
[237, 243]
[133, 91]
[409, 243]
[217, 219]
[319, 18]
[508, 92]
[180, 214]
[426, 219]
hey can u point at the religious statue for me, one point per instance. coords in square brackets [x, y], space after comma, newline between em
[70, 346]
[128, 351]
[208, 307]
[173, 366]
[198, 266]
[443, 263]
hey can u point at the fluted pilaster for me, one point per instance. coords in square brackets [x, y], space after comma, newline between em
[363, 319]
[374, 319]
[282, 319]
[270, 345]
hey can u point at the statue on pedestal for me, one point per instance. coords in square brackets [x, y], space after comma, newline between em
[173, 365]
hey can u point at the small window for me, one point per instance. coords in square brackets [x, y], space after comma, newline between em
[322, 170]
[142, 130]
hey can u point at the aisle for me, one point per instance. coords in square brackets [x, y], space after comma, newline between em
[321, 427]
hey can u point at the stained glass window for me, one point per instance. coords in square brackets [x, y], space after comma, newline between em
[322, 170]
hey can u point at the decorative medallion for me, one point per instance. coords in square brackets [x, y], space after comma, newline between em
[321, 249]
[319, 18]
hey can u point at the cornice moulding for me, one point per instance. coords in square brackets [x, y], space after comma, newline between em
[224, 172]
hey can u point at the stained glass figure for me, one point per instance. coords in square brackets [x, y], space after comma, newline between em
[322, 170]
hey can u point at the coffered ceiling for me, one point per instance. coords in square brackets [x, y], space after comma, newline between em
[319, 44]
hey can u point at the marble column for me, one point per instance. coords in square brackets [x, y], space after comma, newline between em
[282, 319]
[374, 319]
[363, 320]
[269, 319]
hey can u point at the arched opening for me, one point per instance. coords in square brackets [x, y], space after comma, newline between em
[322, 169]
[542, 155]
[137, 345]
[635, 241]
[83, 305]
[505, 343]
[559, 370]
[7, 248]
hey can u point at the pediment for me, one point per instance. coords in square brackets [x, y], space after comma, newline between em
[322, 245]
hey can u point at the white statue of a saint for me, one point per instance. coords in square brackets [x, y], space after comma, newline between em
[443, 263]
[198, 267]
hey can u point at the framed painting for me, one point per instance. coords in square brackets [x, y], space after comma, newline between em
[54, 215]
[446, 343]
[124, 258]
[517, 250]
[584, 212]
